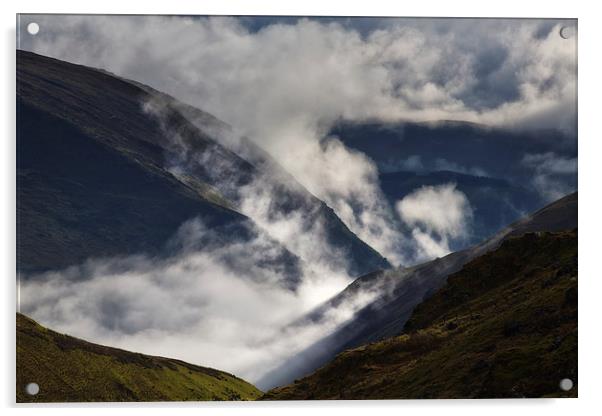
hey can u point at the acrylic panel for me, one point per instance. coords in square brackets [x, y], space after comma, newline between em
[295, 208]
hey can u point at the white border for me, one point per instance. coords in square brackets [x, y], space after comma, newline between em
[590, 184]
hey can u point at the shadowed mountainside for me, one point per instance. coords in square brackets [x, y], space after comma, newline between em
[109, 167]
[68, 369]
[400, 291]
[505, 325]
[455, 146]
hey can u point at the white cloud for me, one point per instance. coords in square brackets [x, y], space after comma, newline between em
[443, 164]
[551, 163]
[194, 305]
[555, 176]
[313, 71]
[412, 163]
[430, 246]
[436, 214]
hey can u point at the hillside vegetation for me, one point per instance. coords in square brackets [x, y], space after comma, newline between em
[503, 326]
[68, 369]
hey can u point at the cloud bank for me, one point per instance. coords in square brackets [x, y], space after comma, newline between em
[503, 72]
[195, 305]
[555, 176]
[436, 214]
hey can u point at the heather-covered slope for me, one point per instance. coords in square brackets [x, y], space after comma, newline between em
[68, 369]
[503, 326]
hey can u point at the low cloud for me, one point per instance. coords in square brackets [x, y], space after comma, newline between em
[554, 176]
[348, 181]
[436, 215]
[193, 305]
[414, 163]
[443, 164]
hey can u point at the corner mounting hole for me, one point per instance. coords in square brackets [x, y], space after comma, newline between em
[33, 28]
[32, 389]
[567, 32]
[566, 384]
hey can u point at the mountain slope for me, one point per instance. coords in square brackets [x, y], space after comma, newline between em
[457, 146]
[89, 175]
[503, 326]
[78, 198]
[407, 288]
[68, 369]
[400, 291]
[107, 167]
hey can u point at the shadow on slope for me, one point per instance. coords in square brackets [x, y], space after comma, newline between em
[96, 173]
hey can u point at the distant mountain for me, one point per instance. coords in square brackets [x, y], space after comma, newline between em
[109, 167]
[401, 290]
[457, 146]
[505, 325]
[68, 369]
[504, 173]
[494, 202]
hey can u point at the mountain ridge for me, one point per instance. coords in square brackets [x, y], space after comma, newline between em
[505, 325]
[142, 136]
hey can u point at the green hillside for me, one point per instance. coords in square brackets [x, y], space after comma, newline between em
[503, 326]
[68, 369]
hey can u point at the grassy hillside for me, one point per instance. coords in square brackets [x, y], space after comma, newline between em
[68, 369]
[503, 326]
